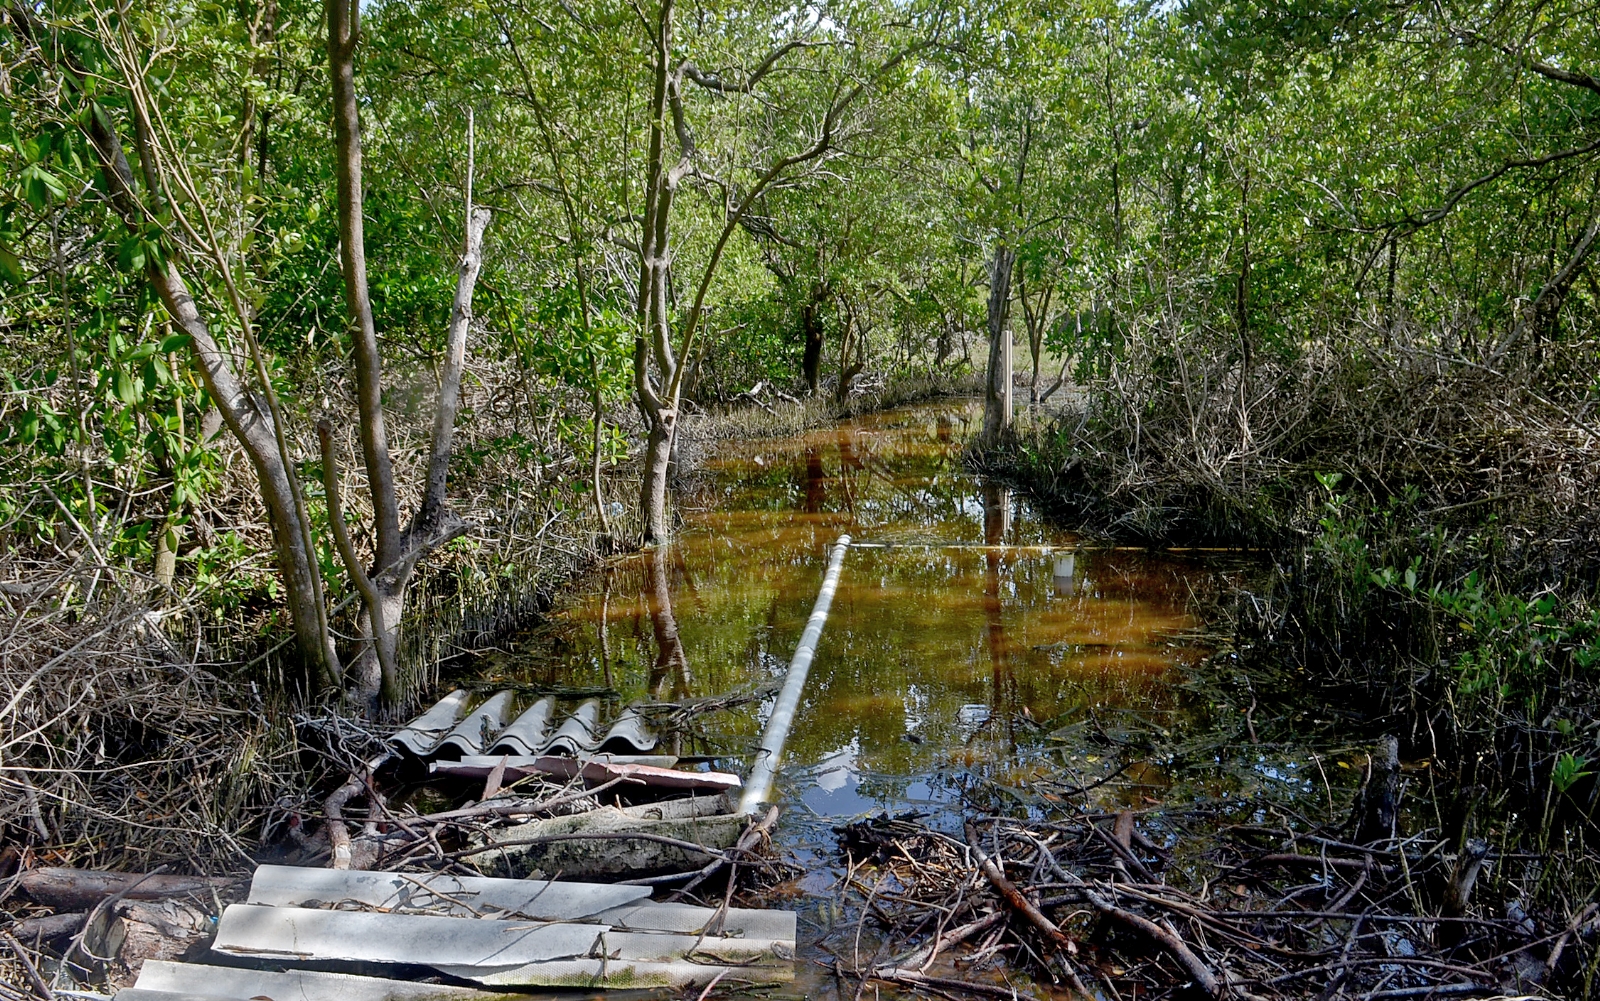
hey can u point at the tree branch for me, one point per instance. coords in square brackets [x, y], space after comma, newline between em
[343, 33]
[455, 352]
[714, 81]
[819, 148]
[1544, 69]
[347, 550]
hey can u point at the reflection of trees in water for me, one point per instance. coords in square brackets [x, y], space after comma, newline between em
[916, 634]
[606, 580]
[816, 486]
[996, 529]
[669, 675]
[897, 473]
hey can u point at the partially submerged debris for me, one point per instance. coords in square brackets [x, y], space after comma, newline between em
[669, 836]
[600, 768]
[441, 733]
[1268, 913]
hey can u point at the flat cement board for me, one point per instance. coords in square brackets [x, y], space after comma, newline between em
[136, 994]
[622, 974]
[367, 936]
[439, 893]
[669, 947]
[736, 922]
[189, 979]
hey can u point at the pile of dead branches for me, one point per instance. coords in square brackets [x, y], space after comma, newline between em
[120, 747]
[1174, 445]
[1093, 904]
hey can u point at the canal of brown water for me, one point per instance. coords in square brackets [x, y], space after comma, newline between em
[972, 648]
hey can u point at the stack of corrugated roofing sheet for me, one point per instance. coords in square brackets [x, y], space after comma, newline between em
[497, 932]
[442, 733]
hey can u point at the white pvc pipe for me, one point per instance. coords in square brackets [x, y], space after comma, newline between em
[758, 785]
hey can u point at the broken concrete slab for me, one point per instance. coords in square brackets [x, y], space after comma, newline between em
[292, 985]
[297, 933]
[438, 893]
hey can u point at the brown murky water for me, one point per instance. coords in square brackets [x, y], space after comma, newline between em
[961, 642]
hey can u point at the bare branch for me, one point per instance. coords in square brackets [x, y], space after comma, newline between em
[1544, 69]
[714, 81]
[370, 596]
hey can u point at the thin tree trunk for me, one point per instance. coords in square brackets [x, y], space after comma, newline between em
[811, 327]
[997, 392]
[657, 470]
[249, 422]
[396, 552]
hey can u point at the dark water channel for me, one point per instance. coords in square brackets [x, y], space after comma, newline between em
[975, 650]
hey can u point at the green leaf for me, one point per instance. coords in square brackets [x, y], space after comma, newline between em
[125, 389]
[176, 342]
[11, 266]
[39, 186]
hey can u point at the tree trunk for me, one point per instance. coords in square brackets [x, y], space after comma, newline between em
[250, 422]
[344, 32]
[657, 470]
[669, 678]
[811, 327]
[396, 552]
[997, 387]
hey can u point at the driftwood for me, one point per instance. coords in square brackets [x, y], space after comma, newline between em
[333, 807]
[74, 889]
[1024, 906]
[1014, 897]
[51, 926]
[746, 843]
[152, 929]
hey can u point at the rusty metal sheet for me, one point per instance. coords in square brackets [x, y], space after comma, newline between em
[477, 766]
[598, 769]
[439, 893]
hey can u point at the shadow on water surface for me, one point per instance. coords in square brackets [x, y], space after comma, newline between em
[976, 648]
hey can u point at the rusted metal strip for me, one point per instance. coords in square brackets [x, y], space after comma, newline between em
[591, 769]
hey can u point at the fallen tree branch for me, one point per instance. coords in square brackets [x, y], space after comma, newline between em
[1014, 897]
[70, 889]
[1164, 936]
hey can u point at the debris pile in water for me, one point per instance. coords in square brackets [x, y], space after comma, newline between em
[1094, 904]
[388, 894]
